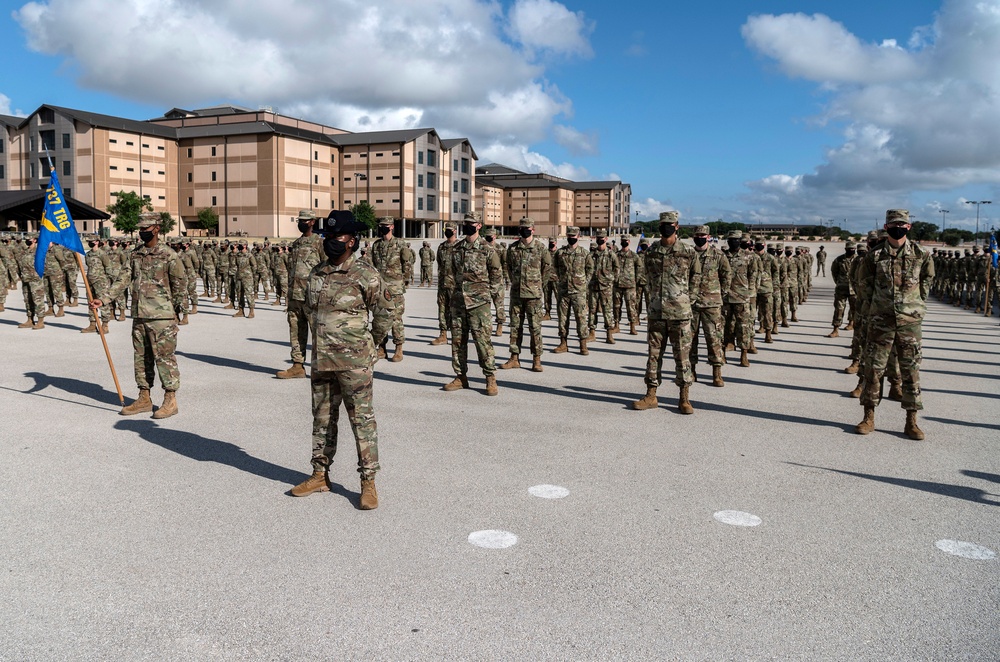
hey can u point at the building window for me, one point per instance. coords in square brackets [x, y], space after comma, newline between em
[315, 156]
[378, 202]
[65, 141]
[146, 197]
[465, 165]
[160, 172]
[145, 146]
[46, 116]
[363, 155]
[190, 202]
[333, 158]
[465, 186]
[395, 201]
[431, 180]
[333, 181]
[395, 176]
[315, 179]
[454, 207]
[114, 167]
[129, 169]
[48, 139]
[1, 171]
[190, 151]
[378, 177]
[431, 202]
[213, 151]
[160, 147]
[420, 204]
[420, 181]
[67, 192]
[145, 171]
[454, 186]
[129, 143]
[190, 177]
[420, 158]
[161, 197]
[347, 156]
[1, 145]
[213, 201]
[67, 169]
[316, 203]
[431, 160]
[347, 179]
[465, 206]
[31, 143]
[213, 176]
[396, 153]
[455, 167]
[378, 154]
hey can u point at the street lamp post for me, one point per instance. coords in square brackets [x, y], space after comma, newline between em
[943, 212]
[357, 176]
[978, 203]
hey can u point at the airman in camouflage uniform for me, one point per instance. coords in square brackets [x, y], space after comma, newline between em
[246, 270]
[32, 287]
[843, 294]
[477, 275]
[55, 281]
[641, 296]
[765, 289]
[895, 282]
[426, 264]
[861, 325]
[391, 257]
[340, 294]
[446, 282]
[673, 275]
[158, 282]
[190, 260]
[306, 253]
[743, 270]
[706, 312]
[261, 271]
[97, 276]
[791, 298]
[575, 267]
[821, 261]
[528, 263]
[70, 269]
[625, 284]
[497, 295]
[8, 262]
[551, 284]
[602, 284]
[279, 273]
[208, 260]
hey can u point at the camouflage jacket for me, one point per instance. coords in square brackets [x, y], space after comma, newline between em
[673, 276]
[278, 265]
[628, 271]
[338, 300]
[529, 266]
[553, 276]
[715, 277]
[426, 256]
[157, 281]
[821, 256]
[606, 268]
[246, 264]
[53, 267]
[840, 269]
[574, 266]
[97, 275]
[767, 274]
[262, 260]
[744, 268]
[446, 270]
[392, 258]
[26, 266]
[895, 282]
[477, 272]
[188, 260]
[792, 268]
[66, 258]
[306, 253]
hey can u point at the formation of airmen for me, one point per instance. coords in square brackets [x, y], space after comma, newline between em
[963, 279]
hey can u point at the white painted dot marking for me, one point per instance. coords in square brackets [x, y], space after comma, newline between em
[548, 492]
[737, 518]
[493, 539]
[966, 550]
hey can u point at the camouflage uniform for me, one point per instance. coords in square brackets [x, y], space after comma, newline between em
[843, 294]
[706, 312]
[306, 253]
[55, 280]
[445, 283]
[190, 261]
[8, 262]
[765, 291]
[32, 287]
[391, 257]
[478, 274]
[791, 298]
[208, 262]
[70, 268]
[499, 290]
[641, 297]
[574, 266]
[222, 273]
[279, 274]
[821, 261]
[624, 293]
[337, 301]
[528, 265]
[739, 321]
[551, 285]
[602, 284]
[246, 269]
[426, 264]
[97, 276]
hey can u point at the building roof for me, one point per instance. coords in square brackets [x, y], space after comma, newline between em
[379, 137]
[11, 120]
[251, 128]
[585, 186]
[28, 205]
[497, 169]
[451, 143]
[111, 122]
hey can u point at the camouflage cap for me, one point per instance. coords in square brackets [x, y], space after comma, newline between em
[968, 252]
[306, 215]
[387, 220]
[602, 233]
[669, 216]
[882, 234]
[644, 242]
[526, 222]
[572, 231]
[451, 226]
[849, 245]
[490, 232]
[474, 216]
[148, 219]
[703, 229]
[975, 249]
[734, 234]
[872, 234]
[862, 247]
[427, 243]
[779, 246]
[897, 216]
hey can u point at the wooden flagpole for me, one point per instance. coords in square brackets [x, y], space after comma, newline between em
[100, 327]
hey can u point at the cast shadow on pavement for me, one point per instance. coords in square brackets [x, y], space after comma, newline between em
[968, 424]
[203, 449]
[771, 416]
[224, 362]
[282, 343]
[972, 494]
[72, 386]
[993, 478]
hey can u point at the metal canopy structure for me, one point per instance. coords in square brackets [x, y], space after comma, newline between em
[25, 207]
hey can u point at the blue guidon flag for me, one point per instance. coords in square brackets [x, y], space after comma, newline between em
[57, 225]
[993, 251]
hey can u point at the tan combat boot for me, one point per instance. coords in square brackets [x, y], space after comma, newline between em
[631, 329]
[239, 313]
[561, 348]
[169, 406]
[229, 306]
[833, 334]
[104, 327]
[40, 324]
[317, 482]
[457, 384]
[683, 403]
[853, 368]
[647, 402]
[536, 364]
[90, 329]
[380, 352]
[856, 393]
[729, 347]
[744, 360]
[593, 335]
[513, 362]
[615, 328]
[184, 320]
[867, 424]
[295, 372]
[250, 314]
[194, 308]
[795, 317]
[583, 347]
[767, 337]
[491, 385]
[895, 391]
[369, 497]
[140, 405]
[26, 325]
[611, 337]
[216, 300]
[717, 376]
[397, 354]
[753, 347]
[911, 430]
[499, 331]
[60, 313]
[850, 326]
[546, 317]
[441, 339]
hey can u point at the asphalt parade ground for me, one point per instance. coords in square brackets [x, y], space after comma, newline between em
[549, 523]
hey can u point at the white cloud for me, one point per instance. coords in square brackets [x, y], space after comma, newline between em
[4, 104]
[577, 142]
[521, 158]
[921, 118]
[461, 66]
[650, 208]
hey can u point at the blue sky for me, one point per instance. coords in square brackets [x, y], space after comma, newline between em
[780, 111]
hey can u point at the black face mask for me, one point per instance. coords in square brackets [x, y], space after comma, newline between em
[304, 227]
[92, 244]
[849, 251]
[788, 253]
[334, 248]
[667, 229]
[383, 230]
[146, 236]
[449, 234]
[551, 246]
[700, 241]
[897, 232]
[524, 232]
[469, 228]
[624, 244]
[744, 245]
[571, 241]
[601, 241]
[489, 239]
[758, 247]
[733, 244]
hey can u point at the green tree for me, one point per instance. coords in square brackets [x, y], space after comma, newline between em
[952, 236]
[126, 211]
[167, 222]
[923, 231]
[365, 213]
[208, 219]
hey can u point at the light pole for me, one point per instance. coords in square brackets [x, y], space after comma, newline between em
[943, 212]
[978, 203]
[357, 176]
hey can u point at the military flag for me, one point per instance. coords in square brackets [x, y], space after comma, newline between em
[57, 225]
[994, 255]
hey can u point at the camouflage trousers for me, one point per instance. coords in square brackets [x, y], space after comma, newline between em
[550, 292]
[474, 322]
[578, 303]
[11, 272]
[72, 290]
[498, 297]
[220, 285]
[55, 288]
[153, 345]
[231, 287]
[354, 389]
[884, 335]
[280, 285]
[679, 334]
[625, 298]
[739, 325]
[393, 322]
[765, 310]
[840, 301]
[789, 302]
[425, 274]
[600, 300]
[522, 310]
[34, 297]
[192, 291]
[708, 320]
[444, 307]
[208, 278]
[640, 299]
[298, 329]
[860, 340]
[776, 308]
[821, 267]
[245, 294]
